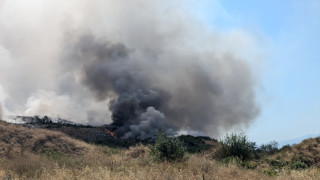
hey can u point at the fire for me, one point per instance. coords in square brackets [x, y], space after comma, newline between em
[110, 132]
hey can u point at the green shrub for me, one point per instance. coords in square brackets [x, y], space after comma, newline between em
[277, 163]
[167, 148]
[303, 159]
[236, 145]
[55, 155]
[231, 160]
[249, 164]
[285, 148]
[269, 148]
[271, 172]
[297, 165]
[196, 144]
[236, 161]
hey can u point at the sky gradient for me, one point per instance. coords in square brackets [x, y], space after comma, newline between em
[289, 72]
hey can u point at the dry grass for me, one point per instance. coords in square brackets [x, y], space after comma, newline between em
[57, 156]
[118, 166]
[307, 151]
[139, 151]
[16, 140]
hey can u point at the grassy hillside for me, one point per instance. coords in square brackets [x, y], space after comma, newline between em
[307, 153]
[37, 153]
[17, 140]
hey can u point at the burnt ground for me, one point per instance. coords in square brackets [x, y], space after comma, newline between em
[99, 134]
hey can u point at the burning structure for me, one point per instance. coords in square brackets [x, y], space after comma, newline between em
[108, 61]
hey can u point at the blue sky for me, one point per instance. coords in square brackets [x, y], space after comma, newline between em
[290, 93]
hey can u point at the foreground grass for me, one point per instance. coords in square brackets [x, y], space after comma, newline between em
[120, 164]
[135, 163]
[44, 154]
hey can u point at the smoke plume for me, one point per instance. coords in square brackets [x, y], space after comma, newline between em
[109, 61]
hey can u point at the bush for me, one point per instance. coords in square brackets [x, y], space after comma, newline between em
[297, 165]
[236, 145]
[271, 172]
[286, 148]
[270, 148]
[231, 160]
[267, 149]
[196, 144]
[299, 159]
[278, 164]
[167, 148]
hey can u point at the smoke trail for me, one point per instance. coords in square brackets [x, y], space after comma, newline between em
[107, 61]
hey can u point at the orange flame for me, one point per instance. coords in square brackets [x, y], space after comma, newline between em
[110, 132]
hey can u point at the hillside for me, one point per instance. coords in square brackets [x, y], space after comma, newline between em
[16, 140]
[34, 152]
[307, 152]
[297, 140]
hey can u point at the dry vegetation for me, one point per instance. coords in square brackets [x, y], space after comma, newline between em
[17, 140]
[307, 151]
[43, 154]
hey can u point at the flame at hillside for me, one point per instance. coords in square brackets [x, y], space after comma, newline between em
[110, 133]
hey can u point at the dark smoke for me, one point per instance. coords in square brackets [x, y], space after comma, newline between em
[109, 72]
[147, 95]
